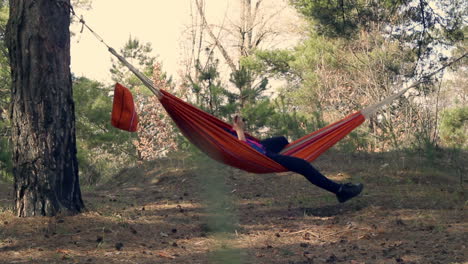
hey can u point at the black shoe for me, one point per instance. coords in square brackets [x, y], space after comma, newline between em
[348, 191]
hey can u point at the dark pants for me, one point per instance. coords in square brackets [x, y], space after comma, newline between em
[276, 144]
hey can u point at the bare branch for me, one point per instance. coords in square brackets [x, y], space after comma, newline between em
[212, 35]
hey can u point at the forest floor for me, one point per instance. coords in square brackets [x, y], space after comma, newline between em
[170, 212]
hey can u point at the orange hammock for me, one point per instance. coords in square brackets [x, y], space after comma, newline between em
[211, 135]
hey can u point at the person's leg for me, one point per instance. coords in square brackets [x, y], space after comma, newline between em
[307, 170]
[343, 192]
[274, 144]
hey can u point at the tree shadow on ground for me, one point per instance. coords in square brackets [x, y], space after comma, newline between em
[160, 215]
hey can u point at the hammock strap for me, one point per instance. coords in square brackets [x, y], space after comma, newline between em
[147, 82]
[370, 110]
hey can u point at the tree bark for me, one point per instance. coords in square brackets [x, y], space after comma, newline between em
[45, 166]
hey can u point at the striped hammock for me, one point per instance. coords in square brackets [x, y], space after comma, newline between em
[211, 135]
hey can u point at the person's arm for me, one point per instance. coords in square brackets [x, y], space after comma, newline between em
[239, 127]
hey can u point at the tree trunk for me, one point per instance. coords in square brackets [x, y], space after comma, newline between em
[45, 166]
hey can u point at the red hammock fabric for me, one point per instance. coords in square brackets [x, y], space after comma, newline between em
[210, 135]
[124, 115]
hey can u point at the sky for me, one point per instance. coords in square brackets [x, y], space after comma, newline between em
[159, 22]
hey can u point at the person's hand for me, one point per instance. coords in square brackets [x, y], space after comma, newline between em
[238, 123]
[239, 127]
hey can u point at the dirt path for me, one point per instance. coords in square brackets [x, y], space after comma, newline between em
[172, 215]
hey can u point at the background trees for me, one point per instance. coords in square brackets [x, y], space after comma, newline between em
[358, 52]
[350, 54]
[219, 62]
[155, 136]
[5, 81]
[100, 155]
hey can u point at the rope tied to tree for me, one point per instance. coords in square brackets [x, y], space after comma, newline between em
[373, 108]
[146, 81]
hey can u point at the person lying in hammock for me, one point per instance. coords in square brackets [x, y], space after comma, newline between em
[271, 148]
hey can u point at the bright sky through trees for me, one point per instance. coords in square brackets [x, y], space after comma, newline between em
[159, 22]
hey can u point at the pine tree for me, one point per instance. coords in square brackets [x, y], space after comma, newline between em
[156, 137]
[45, 165]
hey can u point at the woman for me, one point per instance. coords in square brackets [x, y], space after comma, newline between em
[271, 148]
